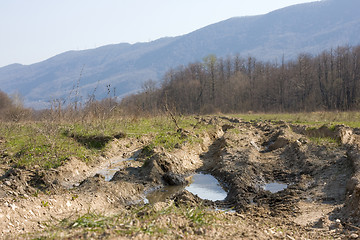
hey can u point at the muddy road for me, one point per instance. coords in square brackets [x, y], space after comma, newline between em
[281, 181]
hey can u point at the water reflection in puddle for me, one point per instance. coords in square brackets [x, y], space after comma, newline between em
[203, 185]
[275, 187]
[113, 167]
[206, 187]
[160, 195]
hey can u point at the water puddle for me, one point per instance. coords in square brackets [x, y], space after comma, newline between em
[160, 195]
[206, 187]
[203, 185]
[275, 187]
[115, 165]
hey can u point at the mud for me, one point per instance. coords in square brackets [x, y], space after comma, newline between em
[317, 186]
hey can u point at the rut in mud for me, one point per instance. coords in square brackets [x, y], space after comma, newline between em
[316, 185]
[254, 155]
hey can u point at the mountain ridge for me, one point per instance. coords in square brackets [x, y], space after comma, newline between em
[309, 27]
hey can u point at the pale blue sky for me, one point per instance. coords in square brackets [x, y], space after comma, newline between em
[34, 30]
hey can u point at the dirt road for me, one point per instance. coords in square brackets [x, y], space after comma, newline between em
[313, 175]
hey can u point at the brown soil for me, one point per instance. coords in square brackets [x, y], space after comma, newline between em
[322, 199]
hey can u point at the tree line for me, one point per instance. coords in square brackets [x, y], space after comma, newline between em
[328, 81]
[11, 107]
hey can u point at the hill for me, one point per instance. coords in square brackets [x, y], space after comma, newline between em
[310, 27]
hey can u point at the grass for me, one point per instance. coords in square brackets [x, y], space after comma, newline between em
[90, 220]
[324, 141]
[42, 144]
[48, 144]
[351, 119]
[136, 220]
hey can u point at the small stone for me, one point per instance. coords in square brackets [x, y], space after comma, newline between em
[290, 237]
[13, 206]
[7, 183]
[200, 231]
[21, 190]
[354, 236]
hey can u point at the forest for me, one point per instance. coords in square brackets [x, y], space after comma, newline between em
[329, 81]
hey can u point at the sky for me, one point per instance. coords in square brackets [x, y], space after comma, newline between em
[34, 30]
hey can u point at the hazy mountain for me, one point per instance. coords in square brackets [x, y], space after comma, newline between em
[310, 27]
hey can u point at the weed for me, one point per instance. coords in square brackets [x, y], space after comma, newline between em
[90, 220]
[36, 193]
[44, 203]
[197, 215]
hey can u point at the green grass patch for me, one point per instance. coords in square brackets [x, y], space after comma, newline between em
[170, 140]
[49, 144]
[351, 119]
[138, 219]
[235, 130]
[325, 141]
[91, 220]
[41, 144]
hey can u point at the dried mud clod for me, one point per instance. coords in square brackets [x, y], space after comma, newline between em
[189, 199]
[173, 179]
[22, 182]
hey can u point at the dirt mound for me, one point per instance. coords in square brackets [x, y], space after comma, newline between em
[173, 179]
[351, 210]
[69, 174]
[260, 153]
[159, 164]
[189, 199]
[22, 182]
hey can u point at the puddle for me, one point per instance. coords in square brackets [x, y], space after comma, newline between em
[109, 171]
[275, 187]
[160, 195]
[115, 165]
[203, 185]
[206, 187]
